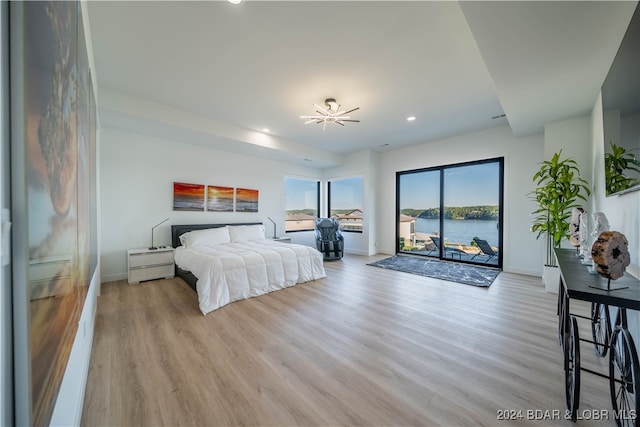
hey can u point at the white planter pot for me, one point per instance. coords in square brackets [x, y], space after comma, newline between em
[551, 279]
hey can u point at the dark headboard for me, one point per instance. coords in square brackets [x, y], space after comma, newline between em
[180, 229]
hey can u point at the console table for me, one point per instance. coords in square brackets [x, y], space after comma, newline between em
[624, 371]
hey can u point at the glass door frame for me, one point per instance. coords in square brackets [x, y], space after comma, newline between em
[442, 169]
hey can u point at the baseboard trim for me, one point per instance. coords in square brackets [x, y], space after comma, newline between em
[113, 277]
[356, 252]
[522, 271]
[69, 404]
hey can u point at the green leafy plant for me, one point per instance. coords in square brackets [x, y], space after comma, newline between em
[559, 187]
[617, 164]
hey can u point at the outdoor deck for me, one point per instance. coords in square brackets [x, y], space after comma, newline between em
[455, 251]
[458, 256]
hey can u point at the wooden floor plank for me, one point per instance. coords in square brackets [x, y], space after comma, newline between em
[364, 346]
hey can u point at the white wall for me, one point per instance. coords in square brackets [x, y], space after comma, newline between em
[573, 137]
[522, 252]
[137, 176]
[364, 164]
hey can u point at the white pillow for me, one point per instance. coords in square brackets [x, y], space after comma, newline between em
[246, 233]
[207, 237]
[255, 232]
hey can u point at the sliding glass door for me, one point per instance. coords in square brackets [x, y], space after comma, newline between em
[472, 200]
[419, 215]
[452, 212]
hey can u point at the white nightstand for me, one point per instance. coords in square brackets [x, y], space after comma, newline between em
[284, 239]
[150, 264]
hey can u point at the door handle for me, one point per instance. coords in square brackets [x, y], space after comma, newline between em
[5, 236]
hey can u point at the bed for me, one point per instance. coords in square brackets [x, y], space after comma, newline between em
[229, 262]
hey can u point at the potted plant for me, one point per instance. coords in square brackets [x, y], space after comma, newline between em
[617, 163]
[558, 189]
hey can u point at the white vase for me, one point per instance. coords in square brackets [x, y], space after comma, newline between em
[551, 279]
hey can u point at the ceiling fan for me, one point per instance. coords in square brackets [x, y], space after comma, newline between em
[331, 114]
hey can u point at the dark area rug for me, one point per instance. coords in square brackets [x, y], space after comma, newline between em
[451, 271]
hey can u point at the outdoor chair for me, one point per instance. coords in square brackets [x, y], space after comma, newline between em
[329, 239]
[485, 249]
[452, 251]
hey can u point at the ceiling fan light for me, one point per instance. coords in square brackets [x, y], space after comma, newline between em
[333, 105]
[331, 114]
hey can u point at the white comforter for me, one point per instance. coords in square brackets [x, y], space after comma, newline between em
[232, 271]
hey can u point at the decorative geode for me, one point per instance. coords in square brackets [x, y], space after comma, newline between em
[611, 254]
[574, 227]
[585, 247]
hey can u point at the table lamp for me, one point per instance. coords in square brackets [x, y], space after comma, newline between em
[153, 248]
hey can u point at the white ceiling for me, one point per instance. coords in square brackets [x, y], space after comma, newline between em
[453, 65]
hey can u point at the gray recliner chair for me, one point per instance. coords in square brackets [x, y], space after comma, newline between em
[329, 239]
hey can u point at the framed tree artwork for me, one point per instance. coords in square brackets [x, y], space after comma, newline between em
[54, 196]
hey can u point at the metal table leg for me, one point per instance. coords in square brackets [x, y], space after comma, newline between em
[572, 367]
[600, 328]
[624, 375]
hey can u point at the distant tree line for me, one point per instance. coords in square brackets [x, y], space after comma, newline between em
[486, 212]
[341, 211]
[311, 212]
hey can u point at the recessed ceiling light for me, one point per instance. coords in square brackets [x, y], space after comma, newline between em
[235, 1]
[411, 118]
[265, 129]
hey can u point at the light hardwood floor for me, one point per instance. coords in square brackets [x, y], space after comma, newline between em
[364, 346]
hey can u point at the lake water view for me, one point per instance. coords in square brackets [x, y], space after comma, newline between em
[461, 230]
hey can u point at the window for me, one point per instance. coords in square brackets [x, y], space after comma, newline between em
[452, 211]
[302, 203]
[345, 202]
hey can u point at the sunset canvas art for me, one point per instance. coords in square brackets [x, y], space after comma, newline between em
[246, 200]
[188, 197]
[219, 199]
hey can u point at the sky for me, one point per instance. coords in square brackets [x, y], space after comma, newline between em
[346, 193]
[471, 185]
[302, 194]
